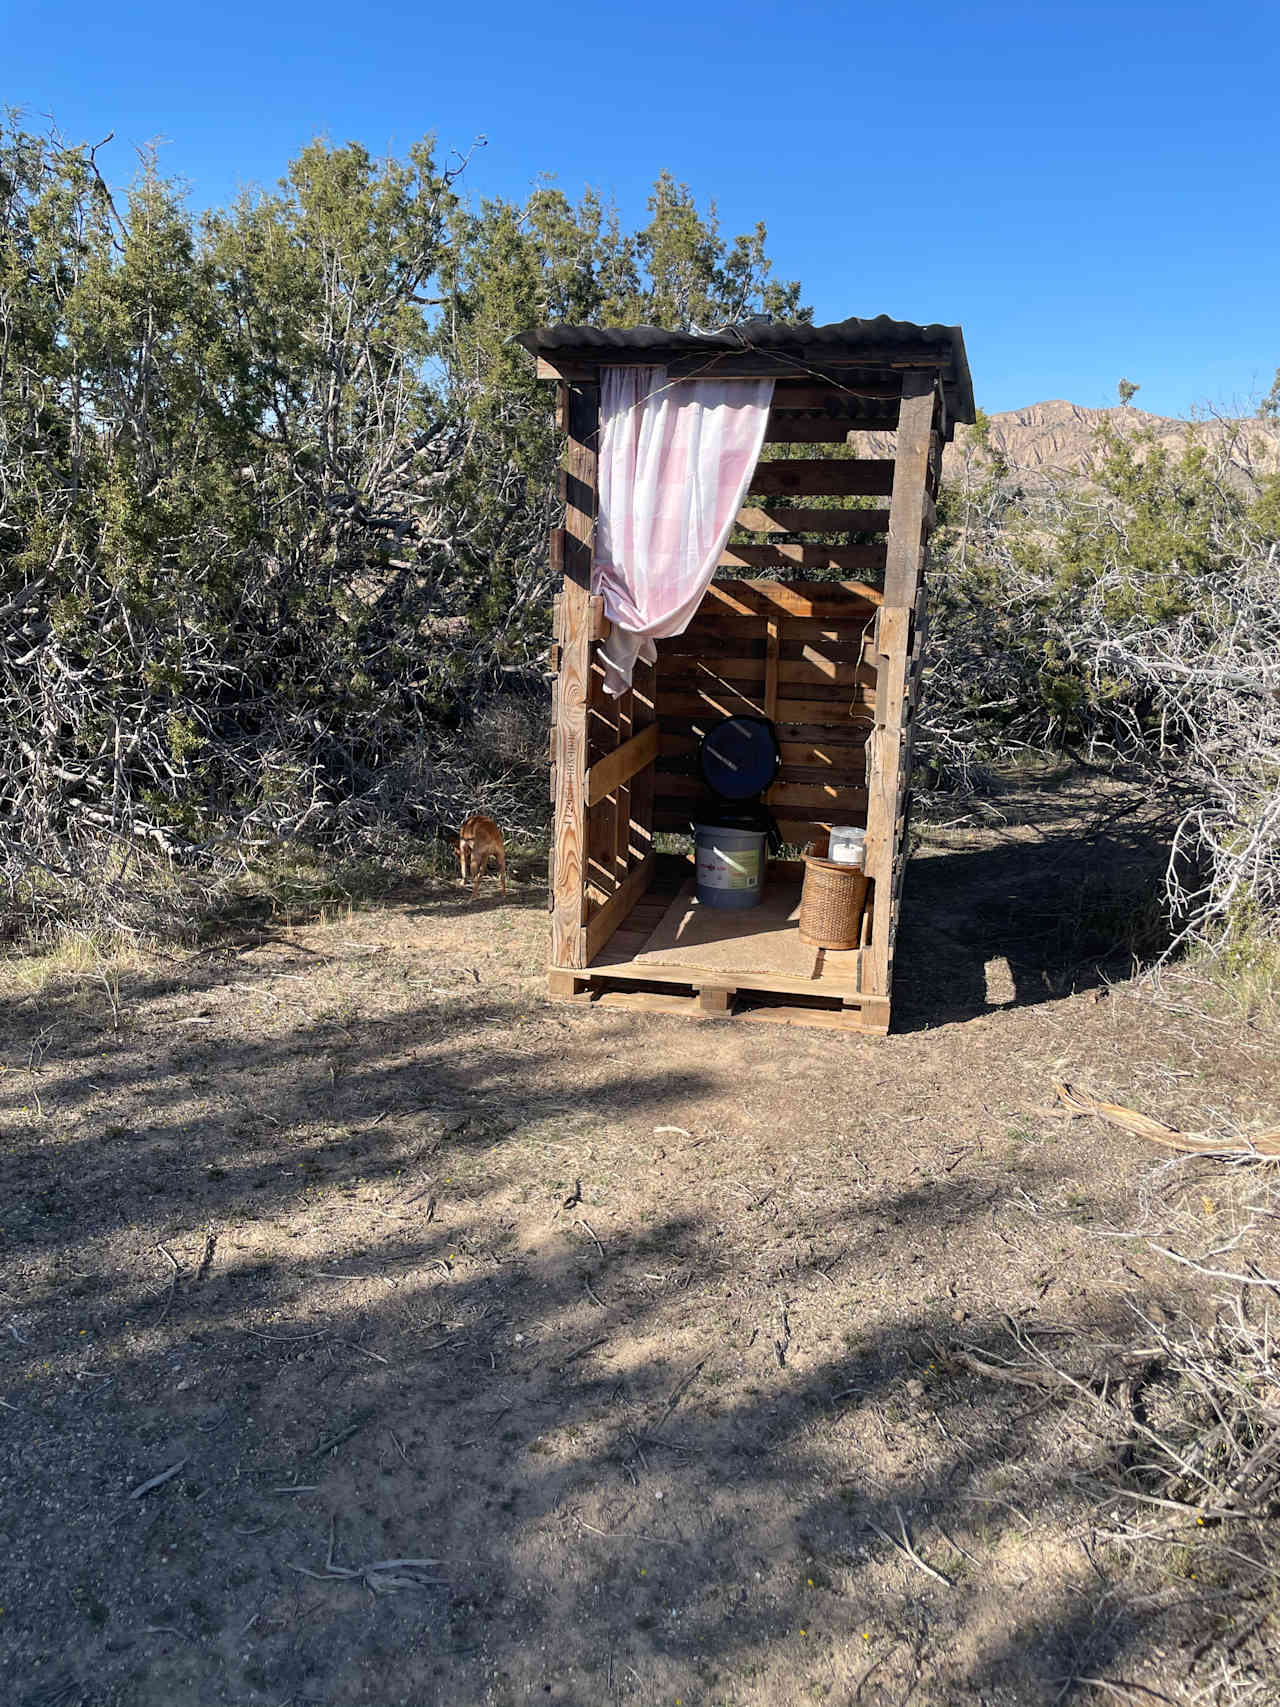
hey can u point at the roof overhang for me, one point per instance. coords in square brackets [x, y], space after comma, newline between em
[874, 349]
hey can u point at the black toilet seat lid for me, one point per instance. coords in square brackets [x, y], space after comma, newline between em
[740, 757]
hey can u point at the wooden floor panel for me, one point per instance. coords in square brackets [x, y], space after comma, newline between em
[616, 979]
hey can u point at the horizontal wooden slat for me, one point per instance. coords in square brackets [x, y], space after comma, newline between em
[851, 731]
[803, 760]
[812, 758]
[745, 364]
[743, 627]
[823, 394]
[833, 601]
[672, 814]
[811, 669]
[745, 639]
[786, 797]
[677, 785]
[820, 477]
[813, 686]
[777, 518]
[710, 667]
[741, 638]
[725, 702]
[785, 429]
[742, 701]
[828, 631]
[849, 774]
[673, 744]
[808, 363]
[791, 799]
[799, 831]
[784, 556]
[611, 772]
[848, 732]
[838, 983]
[795, 710]
[857, 648]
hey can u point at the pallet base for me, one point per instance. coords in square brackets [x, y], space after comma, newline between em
[868, 1015]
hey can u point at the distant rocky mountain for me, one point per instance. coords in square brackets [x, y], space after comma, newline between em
[1057, 438]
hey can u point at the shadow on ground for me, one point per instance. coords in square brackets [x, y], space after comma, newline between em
[373, 1333]
[1028, 920]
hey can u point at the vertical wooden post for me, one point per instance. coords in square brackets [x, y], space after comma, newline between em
[580, 419]
[908, 523]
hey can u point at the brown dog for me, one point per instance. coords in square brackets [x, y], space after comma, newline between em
[479, 841]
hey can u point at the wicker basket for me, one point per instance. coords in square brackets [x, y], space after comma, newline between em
[831, 903]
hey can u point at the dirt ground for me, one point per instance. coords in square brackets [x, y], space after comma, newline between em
[373, 1331]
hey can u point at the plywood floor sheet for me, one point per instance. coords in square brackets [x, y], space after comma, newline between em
[763, 939]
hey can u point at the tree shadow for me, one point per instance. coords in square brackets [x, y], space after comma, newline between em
[646, 1529]
[267, 915]
[1027, 921]
[362, 1309]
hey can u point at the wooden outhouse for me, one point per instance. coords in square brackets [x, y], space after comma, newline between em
[815, 620]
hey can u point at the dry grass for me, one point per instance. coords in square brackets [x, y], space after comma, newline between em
[646, 1329]
[1181, 1424]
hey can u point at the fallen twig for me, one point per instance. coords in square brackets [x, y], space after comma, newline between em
[364, 1351]
[1216, 1273]
[681, 1389]
[907, 1550]
[582, 1351]
[379, 1576]
[621, 1535]
[1124, 1688]
[337, 1439]
[156, 1481]
[581, 1221]
[1264, 1146]
[173, 1282]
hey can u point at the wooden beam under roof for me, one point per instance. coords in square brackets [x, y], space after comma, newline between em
[776, 518]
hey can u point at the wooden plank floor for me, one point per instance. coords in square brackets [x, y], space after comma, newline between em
[836, 973]
[671, 871]
[616, 978]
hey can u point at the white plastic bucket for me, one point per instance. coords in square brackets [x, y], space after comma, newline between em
[848, 846]
[730, 866]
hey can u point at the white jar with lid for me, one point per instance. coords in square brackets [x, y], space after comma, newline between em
[848, 846]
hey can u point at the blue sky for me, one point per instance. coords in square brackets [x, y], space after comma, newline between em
[1090, 190]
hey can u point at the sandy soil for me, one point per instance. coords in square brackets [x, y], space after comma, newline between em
[335, 1245]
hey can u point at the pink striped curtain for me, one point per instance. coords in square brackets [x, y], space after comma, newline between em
[676, 458]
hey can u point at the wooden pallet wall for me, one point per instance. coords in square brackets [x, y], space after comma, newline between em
[836, 665]
[799, 653]
[602, 749]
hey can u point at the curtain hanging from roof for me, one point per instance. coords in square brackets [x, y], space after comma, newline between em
[676, 458]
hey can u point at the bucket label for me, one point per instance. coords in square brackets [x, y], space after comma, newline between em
[720, 870]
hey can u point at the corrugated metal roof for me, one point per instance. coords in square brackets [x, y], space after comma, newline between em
[852, 337]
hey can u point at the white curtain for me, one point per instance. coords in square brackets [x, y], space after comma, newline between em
[676, 458]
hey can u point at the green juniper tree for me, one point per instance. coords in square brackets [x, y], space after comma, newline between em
[275, 486]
